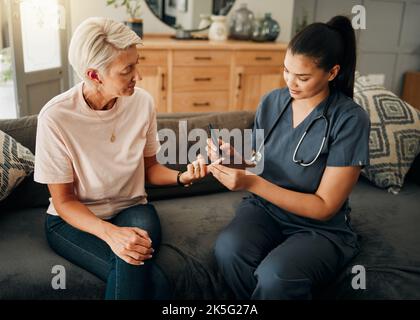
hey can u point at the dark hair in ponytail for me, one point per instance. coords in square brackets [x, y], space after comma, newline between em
[329, 44]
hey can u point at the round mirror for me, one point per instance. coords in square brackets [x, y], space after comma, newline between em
[189, 15]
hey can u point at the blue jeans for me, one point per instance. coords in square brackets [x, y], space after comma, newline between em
[123, 280]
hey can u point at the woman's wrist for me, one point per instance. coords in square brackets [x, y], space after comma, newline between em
[180, 179]
[105, 230]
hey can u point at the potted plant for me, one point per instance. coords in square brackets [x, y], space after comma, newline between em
[6, 75]
[133, 10]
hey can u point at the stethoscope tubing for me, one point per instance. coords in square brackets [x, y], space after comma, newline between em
[257, 156]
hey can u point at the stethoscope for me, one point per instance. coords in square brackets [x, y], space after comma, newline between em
[257, 156]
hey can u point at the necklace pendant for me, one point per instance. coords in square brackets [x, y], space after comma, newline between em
[112, 138]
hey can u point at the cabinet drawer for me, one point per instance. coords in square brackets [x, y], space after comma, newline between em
[201, 58]
[258, 58]
[153, 58]
[201, 79]
[201, 102]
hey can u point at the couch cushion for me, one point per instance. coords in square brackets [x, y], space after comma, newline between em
[28, 194]
[27, 262]
[414, 173]
[395, 134]
[189, 231]
[22, 130]
[388, 228]
[16, 162]
[386, 223]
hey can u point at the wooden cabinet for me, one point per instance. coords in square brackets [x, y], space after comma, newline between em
[153, 69]
[257, 73]
[154, 80]
[411, 90]
[201, 76]
[201, 81]
[254, 82]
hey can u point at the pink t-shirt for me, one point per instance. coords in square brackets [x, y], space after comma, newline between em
[73, 144]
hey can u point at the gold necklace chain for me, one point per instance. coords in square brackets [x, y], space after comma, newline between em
[113, 136]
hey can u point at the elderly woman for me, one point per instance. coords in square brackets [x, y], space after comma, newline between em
[96, 146]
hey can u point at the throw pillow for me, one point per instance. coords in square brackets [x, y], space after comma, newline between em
[16, 162]
[394, 137]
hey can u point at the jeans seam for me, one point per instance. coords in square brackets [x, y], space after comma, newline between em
[82, 249]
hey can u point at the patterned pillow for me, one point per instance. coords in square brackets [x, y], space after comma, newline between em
[394, 137]
[16, 162]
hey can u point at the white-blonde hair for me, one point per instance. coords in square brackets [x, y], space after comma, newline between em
[96, 42]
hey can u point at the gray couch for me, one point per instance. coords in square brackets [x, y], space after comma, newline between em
[191, 219]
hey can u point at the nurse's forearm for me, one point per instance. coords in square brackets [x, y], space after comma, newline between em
[301, 204]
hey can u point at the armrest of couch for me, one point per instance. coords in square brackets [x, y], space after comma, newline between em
[414, 173]
[29, 194]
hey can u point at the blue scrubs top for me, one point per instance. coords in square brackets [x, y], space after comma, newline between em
[347, 145]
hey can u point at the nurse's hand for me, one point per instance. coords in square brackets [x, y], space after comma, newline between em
[233, 179]
[228, 152]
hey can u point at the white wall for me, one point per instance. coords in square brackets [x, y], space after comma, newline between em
[282, 11]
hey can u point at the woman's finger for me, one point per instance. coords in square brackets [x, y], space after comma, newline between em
[142, 233]
[196, 166]
[131, 257]
[203, 166]
[190, 170]
[135, 239]
[147, 243]
[140, 249]
[138, 252]
[131, 261]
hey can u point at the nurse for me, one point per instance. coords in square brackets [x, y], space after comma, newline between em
[293, 235]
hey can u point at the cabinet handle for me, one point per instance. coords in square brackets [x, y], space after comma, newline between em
[205, 104]
[202, 58]
[202, 79]
[240, 81]
[163, 82]
[263, 58]
[142, 58]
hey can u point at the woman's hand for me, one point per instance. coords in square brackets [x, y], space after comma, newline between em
[195, 171]
[233, 179]
[133, 245]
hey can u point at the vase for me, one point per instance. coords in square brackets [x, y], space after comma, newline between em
[205, 21]
[257, 30]
[218, 29]
[271, 28]
[240, 26]
[265, 29]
